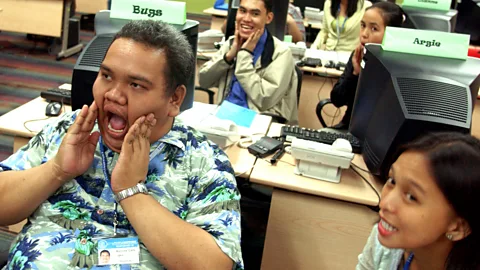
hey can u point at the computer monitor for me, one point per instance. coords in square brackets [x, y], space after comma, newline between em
[430, 20]
[88, 63]
[231, 18]
[401, 96]
[276, 27]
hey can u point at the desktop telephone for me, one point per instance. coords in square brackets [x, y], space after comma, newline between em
[220, 131]
[264, 147]
[322, 161]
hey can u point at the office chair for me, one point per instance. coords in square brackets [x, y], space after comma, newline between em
[6, 239]
[210, 93]
[319, 109]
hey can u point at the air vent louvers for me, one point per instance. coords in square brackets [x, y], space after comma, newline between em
[433, 98]
[95, 53]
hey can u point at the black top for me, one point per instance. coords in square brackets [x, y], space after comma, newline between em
[343, 93]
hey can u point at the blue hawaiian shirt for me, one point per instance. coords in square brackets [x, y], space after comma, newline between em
[187, 174]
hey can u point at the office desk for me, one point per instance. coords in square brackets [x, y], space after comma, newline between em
[40, 17]
[312, 25]
[91, 6]
[315, 224]
[12, 123]
[218, 16]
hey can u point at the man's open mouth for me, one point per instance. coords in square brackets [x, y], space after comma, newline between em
[117, 125]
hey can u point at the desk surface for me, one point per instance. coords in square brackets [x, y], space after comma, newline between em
[31, 115]
[314, 25]
[352, 188]
[41, 17]
[91, 7]
[216, 12]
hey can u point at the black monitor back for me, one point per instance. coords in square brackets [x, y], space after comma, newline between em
[276, 27]
[88, 63]
[309, 3]
[401, 96]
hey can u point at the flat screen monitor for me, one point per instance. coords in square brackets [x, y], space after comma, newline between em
[401, 96]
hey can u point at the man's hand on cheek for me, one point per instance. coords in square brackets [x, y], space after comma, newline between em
[252, 41]
[132, 164]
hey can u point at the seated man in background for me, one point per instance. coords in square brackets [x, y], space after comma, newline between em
[125, 166]
[294, 24]
[253, 69]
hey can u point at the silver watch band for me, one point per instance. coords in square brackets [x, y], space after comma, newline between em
[139, 188]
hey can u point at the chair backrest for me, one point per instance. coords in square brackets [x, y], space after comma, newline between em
[299, 82]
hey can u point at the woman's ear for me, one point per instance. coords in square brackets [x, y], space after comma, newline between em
[458, 230]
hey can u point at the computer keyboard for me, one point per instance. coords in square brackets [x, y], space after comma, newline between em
[320, 136]
[63, 96]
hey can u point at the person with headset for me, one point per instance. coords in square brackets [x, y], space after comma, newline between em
[341, 25]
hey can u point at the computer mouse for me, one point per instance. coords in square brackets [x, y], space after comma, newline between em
[342, 145]
[53, 108]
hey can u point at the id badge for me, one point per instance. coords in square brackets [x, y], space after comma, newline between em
[118, 251]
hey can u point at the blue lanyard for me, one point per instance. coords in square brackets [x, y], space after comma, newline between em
[338, 22]
[104, 160]
[408, 262]
[107, 179]
[104, 164]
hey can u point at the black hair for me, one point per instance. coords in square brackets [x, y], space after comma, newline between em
[268, 5]
[179, 56]
[453, 161]
[392, 14]
[351, 8]
[105, 251]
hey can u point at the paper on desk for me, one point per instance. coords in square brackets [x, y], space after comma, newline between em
[238, 114]
[201, 113]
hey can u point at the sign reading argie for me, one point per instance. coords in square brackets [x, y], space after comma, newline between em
[168, 11]
[426, 42]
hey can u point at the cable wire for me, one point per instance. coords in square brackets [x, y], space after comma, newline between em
[366, 181]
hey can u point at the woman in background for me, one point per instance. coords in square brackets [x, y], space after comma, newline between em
[429, 208]
[372, 28]
[341, 24]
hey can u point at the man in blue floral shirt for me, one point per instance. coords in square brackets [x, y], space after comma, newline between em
[126, 166]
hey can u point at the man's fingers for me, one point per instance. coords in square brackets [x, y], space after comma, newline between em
[91, 117]
[75, 128]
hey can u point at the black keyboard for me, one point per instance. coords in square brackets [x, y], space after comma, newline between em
[62, 96]
[320, 136]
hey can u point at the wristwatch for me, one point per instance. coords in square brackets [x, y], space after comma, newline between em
[139, 188]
